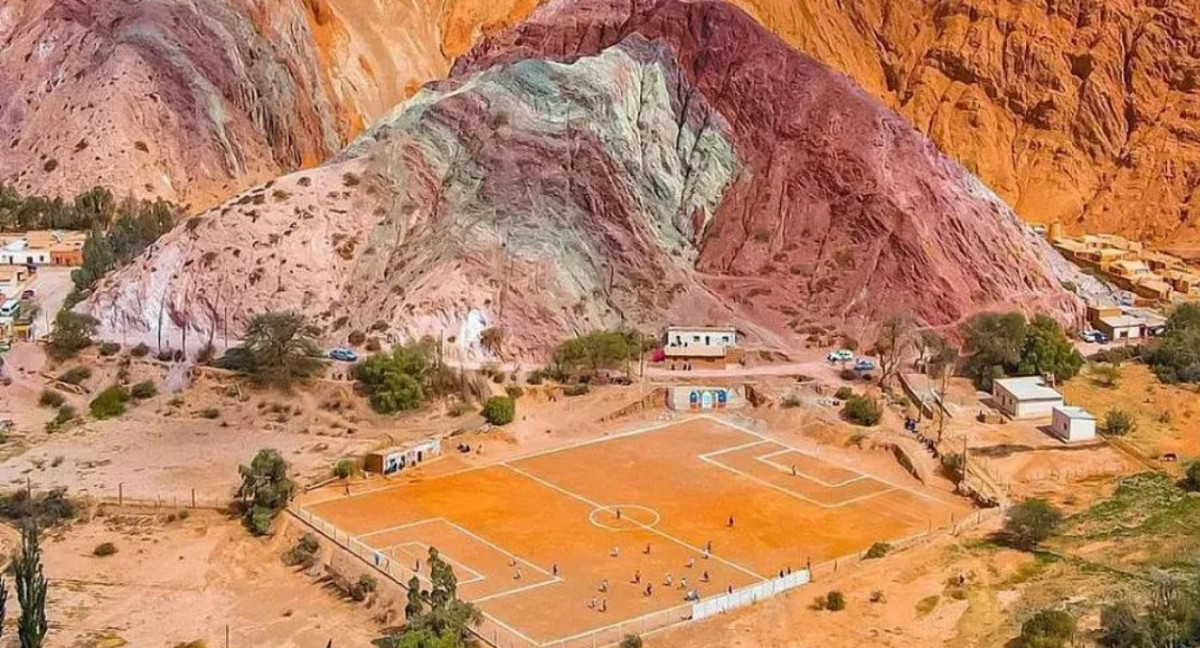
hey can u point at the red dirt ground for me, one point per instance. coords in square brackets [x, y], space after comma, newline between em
[676, 487]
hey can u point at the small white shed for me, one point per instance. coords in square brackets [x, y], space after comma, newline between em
[1073, 424]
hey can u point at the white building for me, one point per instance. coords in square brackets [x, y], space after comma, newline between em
[1025, 397]
[699, 341]
[19, 252]
[1122, 327]
[1073, 424]
[390, 460]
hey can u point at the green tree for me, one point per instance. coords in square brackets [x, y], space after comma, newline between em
[265, 490]
[72, 333]
[282, 347]
[435, 618]
[1047, 629]
[631, 641]
[896, 337]
[492, 340]
[991, 342]
[588, 355]
[1030, 522]
[398, 381]
[1175, 357]
[863, 410]
[1192, 482]
[942, 359]
[1047, 350]
[415, 604]
[500, 410]
[31, 588]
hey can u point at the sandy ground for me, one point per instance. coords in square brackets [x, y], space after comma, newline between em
[174, 581]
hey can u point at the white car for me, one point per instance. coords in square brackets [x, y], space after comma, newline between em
[841, 355]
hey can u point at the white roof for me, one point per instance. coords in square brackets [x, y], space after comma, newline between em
[716, 329]
[1028, 388]
[1122, 321]
[1074, 412]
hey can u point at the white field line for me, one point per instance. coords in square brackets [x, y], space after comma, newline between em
[717, 453]
[894, 486]
[762, 482]
[653, 530]
[800, 473]
[457, 564]
[518, 590]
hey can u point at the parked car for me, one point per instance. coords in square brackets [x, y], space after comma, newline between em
[343, 355]
[864, 364]
[841, 355]
[1093, 336]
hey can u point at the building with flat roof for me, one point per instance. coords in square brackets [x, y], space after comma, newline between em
[709, 342]
[1025, 397]
[1073, 424]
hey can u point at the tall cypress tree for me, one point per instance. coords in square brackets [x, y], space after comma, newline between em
[31, 589]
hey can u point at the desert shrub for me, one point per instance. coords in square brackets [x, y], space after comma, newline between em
[1118, 422]
[144, 390]
[631, 641]
[848, 374]
[458, 409]
[360, 588]
[75, 375]
[279, 349]
[576, 390]
[166, 355]
[139, 351]
[500, 410]
[1030, 522]
[206, 354]
[1116, 355]
[47, 509]
[1105, 374]
[72, 333]
[1192, 480]
[373, 345]
[51, 398]
[499, 377]
[534, 378]
[356, 338]
[1047, 629]
[109, 349]
[862, 410]
[952, 466]
[835, 601]
[109, 403]
[843, 393]
[790, 401]
[514, 392]
[878, 550]
[210, 413]
[303, 553]
[345, 468]
[104, 549]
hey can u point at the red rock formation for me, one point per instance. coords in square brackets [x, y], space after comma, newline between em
[839, 208]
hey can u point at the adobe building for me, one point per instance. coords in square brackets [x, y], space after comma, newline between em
[1026, 397]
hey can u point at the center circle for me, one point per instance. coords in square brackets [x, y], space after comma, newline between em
[624, 517]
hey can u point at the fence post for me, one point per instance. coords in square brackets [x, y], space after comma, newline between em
[193, 498]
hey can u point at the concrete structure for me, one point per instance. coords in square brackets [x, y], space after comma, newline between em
[1073, 424]
[396, 458]
[696, 398]
[1025, 397]
[12, 279]
[19, 252]
[66, 254]
[43, 247]
[1122, 327]
[698, 341]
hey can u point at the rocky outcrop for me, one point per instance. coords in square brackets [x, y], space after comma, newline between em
[604, 163]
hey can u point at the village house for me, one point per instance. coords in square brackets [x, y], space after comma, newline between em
[1073, 424]
[1025, 397]
[12, 278]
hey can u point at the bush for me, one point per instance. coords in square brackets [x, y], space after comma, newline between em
[499, 377]
[952, 466]
[109, 403]
[401, 379]
[206, 354]
[576, 390]
[500, 410]
[109, 349]
[144, 390]
[878, 550]
[362, 587]
[1192, 481]
[1105, 374]
[304, 553]
[863, 410]
[514, 392]
[843, 393]
[1118, 422]
[345, 468]
[51, 398]
[534, 378]
[356, 338]
[264, 491]
[47, 509]
[1047, 629]
[835, 601]
[75, 375]
[210, 413]
[1031, 522]
[104, 549]
[458, 409]
[790, 401]
[65, 415]
[631, 641]
[140, 350]
[848, 374]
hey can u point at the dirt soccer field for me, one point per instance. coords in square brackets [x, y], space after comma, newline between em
[537, 541]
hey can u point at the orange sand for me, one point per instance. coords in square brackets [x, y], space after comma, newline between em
[675, 487]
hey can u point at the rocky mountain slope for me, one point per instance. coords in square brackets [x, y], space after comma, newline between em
[604, 163]
[1086, 112]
